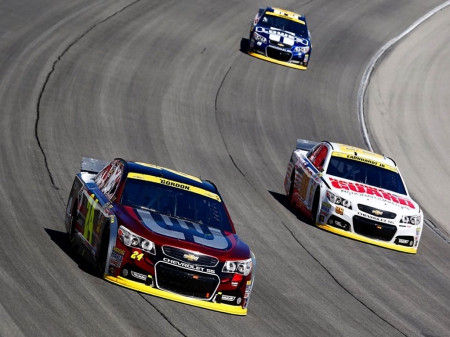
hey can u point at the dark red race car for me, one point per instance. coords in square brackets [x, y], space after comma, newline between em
[160, 232]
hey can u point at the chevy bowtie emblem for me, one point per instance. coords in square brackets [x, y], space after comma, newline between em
[281, 45]
[190, 257]
[379, 227]
[377, 212]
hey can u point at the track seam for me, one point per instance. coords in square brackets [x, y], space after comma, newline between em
[341, 285]
[47, 79]
[164, 316]
[365, 83]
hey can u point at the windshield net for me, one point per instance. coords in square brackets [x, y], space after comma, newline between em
[175, 202]
[366, 174]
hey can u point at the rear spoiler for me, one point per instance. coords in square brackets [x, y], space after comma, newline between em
[305, 145]
[92, 165]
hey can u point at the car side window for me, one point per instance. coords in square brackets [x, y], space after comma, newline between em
[320, 158]
[314, 152]
[318, 155]
[109, 178]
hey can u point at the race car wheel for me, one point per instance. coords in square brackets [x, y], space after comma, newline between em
[103, 254]
[315, 207]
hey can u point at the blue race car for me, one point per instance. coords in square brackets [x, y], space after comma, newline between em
[281, 37]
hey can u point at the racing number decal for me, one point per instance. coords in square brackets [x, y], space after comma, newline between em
[137, 255]
[89, 221]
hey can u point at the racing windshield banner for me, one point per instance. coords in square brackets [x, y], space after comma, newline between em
[176, 184]
[364, 160]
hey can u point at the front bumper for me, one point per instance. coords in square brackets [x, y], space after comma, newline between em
[354, 236]
[286, 64]
[147, 289]
[355, 225]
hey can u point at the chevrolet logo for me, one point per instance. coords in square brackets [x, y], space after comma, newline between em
[190, 257]
[377, 212]
[281, 45]
[379, 227]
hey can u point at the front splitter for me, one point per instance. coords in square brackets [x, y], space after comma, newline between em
[286, 64]
[225, 308]
[388, 245]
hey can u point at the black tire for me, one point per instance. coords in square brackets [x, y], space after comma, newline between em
[103, 254]
[315, 207]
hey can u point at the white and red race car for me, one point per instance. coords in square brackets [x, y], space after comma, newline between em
[354, 193]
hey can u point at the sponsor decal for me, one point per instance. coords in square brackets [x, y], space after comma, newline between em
[417, 231]
[403, 241]
[321, 218]
[370, 191]
[339, 210]
[371, 217]
[188, 266]
[116, 259]
[138, 276]
[184, 230]
[118, 251]
[111, 270]
[379, 227]
[190, 257]
[228, 298]
[234, 284]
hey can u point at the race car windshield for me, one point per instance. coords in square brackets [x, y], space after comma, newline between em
[270, 21]
[366, 174]
[176, 203]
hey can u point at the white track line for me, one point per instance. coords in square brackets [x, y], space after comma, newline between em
[369, 69]
[365, 82]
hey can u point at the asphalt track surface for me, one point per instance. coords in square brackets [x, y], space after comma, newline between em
[165, 82]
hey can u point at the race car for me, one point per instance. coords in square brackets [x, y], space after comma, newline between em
[281, 37]
[159, 232]
[354, 193]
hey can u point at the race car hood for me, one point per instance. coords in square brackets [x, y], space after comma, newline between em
[282, 36]
[358, 193]
[163, 229]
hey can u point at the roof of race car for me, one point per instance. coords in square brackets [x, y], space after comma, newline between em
[284, 13]
[162, 172]
[356, 153]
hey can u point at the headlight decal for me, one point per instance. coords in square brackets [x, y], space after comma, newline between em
[337, 200]
[133, 240]
[411, 219]
[242, 267]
